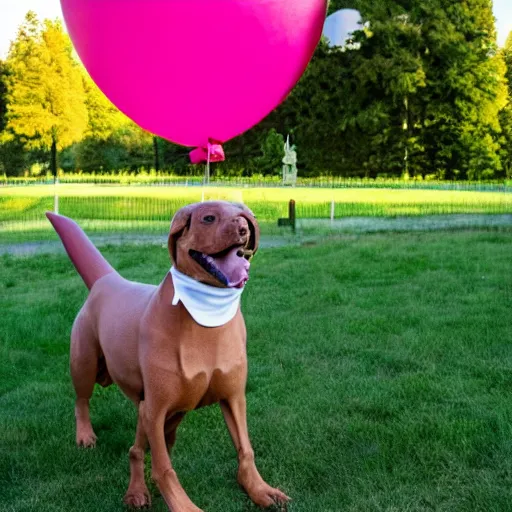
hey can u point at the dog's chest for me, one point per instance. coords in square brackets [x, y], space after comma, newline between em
[211, 366]
[213, 370]
[223, 385]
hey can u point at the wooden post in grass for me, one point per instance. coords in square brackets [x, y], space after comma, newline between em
[290, 221]
[332, 212]
[291, 213]
[56, 195]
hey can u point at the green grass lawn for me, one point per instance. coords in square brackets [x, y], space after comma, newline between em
[380, 379]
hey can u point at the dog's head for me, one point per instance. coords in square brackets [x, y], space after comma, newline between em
[213, 241]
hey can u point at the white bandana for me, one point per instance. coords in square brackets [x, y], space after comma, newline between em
[208, 306]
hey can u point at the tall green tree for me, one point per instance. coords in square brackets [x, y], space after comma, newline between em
[506, 113]
[465, 88]
[13, 158]
[3, 96]
[422, 95]
[507, 58]
[348, 112]
[103, 133]
[45, 90]
[104, 118]
[127, 148]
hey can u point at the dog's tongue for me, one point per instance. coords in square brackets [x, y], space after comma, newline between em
[234, 267]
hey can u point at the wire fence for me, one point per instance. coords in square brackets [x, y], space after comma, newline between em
[259, 181]
[150, 209]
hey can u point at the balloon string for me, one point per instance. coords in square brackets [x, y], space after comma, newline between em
[207, 180]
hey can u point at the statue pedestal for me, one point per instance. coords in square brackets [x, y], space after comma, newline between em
[289, 175]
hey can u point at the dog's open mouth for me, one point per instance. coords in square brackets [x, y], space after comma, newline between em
[230, 266]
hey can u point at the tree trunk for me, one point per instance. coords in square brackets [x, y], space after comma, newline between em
[54, 160]
[156, 153]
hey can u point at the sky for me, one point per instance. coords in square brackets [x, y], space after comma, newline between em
[12, 13]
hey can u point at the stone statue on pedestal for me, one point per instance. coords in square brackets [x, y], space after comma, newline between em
[289, 164]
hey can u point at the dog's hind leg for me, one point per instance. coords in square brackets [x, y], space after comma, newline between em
[137, 494]
[84, 356]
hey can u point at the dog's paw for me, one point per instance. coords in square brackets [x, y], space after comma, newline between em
[86, 439]
[137, 499]
[266, 496]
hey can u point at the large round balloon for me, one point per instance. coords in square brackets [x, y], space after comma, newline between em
[194, 71]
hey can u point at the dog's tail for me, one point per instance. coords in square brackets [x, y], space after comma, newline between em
[88, 261]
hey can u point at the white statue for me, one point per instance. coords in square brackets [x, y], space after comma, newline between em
[289, 163]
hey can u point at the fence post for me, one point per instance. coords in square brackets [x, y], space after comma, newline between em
[332, 211]
[291, 213]
[56, 197]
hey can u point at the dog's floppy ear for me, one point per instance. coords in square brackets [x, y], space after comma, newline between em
[253, 226]
[179, 222]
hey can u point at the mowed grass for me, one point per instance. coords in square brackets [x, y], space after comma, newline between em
[256, 194]
[380, 380]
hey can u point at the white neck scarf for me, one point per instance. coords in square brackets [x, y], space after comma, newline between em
[208, 306]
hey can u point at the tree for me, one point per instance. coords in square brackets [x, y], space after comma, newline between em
[128, 148]
[387, 77]
[3, 95]
[347, 113]
[506, 113]
[464, 88]
[426, 84]
[507, 58]
[271, 160]
[12, 155]
[104, 118]
[45, 91]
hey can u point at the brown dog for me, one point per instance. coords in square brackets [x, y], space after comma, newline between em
[145, 339]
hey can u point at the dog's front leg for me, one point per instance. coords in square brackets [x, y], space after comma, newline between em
[234, 410]
[154, 420]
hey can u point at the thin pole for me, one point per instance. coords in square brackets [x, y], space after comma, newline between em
[207, 170]
[56, 195]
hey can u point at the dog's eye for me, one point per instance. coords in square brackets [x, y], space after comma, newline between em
[209, 219]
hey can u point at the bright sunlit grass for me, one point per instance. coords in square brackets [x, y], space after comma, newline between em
[278, 194]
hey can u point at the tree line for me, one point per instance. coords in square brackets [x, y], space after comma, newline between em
[425, 92]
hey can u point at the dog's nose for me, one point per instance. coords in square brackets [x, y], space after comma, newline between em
[241, 226]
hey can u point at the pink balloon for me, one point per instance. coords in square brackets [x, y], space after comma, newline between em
[194, 71]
